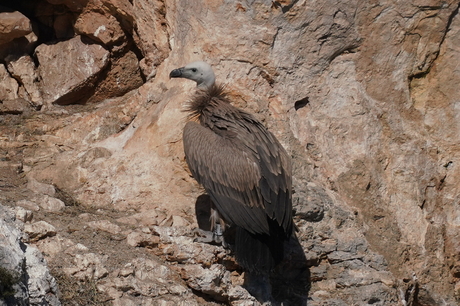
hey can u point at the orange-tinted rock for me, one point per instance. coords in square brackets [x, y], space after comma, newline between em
[13, 25]
[124, 75]
[69, 70]
[100, 27]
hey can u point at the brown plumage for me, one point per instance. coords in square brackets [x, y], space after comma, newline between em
[246, 172]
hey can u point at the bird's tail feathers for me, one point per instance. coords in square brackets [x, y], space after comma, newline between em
[259, 253]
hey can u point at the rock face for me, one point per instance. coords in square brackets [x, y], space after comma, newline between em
[68, 69]
[25, 278]
[101, 28]
[13, 25]
[363, 95]
[8, 85]
[23, 70]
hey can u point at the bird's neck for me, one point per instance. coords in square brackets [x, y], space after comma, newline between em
[205, 85]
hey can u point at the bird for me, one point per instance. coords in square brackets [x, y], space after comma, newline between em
[243, 168]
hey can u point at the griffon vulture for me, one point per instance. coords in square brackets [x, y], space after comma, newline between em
[243, 168]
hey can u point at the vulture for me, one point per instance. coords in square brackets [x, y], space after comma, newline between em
[243, 168]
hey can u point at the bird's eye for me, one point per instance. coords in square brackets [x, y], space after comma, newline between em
[194, 69]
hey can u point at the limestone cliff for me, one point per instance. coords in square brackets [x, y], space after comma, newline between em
[362, 94]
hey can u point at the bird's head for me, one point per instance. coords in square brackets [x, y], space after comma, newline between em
[200, 72]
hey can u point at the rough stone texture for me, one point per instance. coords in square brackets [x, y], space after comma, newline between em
[15, 107]
[19, 46]
[8, 85]
[106, 226]
[68, 69]
[23, 214]
[13, 25]
[363, 95]
[148, 281]
[40, 188]
[29, 281]
[23, 69]
[39, 230]
[50, 204]
[124, 75]
[102, 28]
[151, 34]
[88, 266]
[137, 239]
[30, 205]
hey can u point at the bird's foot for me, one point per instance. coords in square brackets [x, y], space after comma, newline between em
[210, 237]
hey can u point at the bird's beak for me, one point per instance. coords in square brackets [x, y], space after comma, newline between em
[176, 73]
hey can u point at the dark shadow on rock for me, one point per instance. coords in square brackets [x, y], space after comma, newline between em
[290, 280]
[203, 212]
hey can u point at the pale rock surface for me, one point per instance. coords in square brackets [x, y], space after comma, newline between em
[147, 281]
[40, 188]
[42, 285]
[30, 205]
[13, 25]
[106, 226]
[68, 69]
[139, 239]
[23, 214]
[14, 107]
[39, 230]
[147, 218]
[210, 281]
[50, 203]
[151, 34]
[88, 266]
[32, 283]
[54, 245]
[74, 249]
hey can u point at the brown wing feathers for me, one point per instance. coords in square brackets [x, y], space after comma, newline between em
[239, 162]
[243, 168]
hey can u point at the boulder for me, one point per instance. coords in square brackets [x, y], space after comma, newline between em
[100, 27]
[14, 107]
[13, 25]
[124, 76]
[23, 69]
[25, 278]
[69, 70]
[8, 85]
[151, 35]
[39, 230]
[106, 226]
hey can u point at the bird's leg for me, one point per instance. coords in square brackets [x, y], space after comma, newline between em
[216, 226]
[203, 236]
[215, 235]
